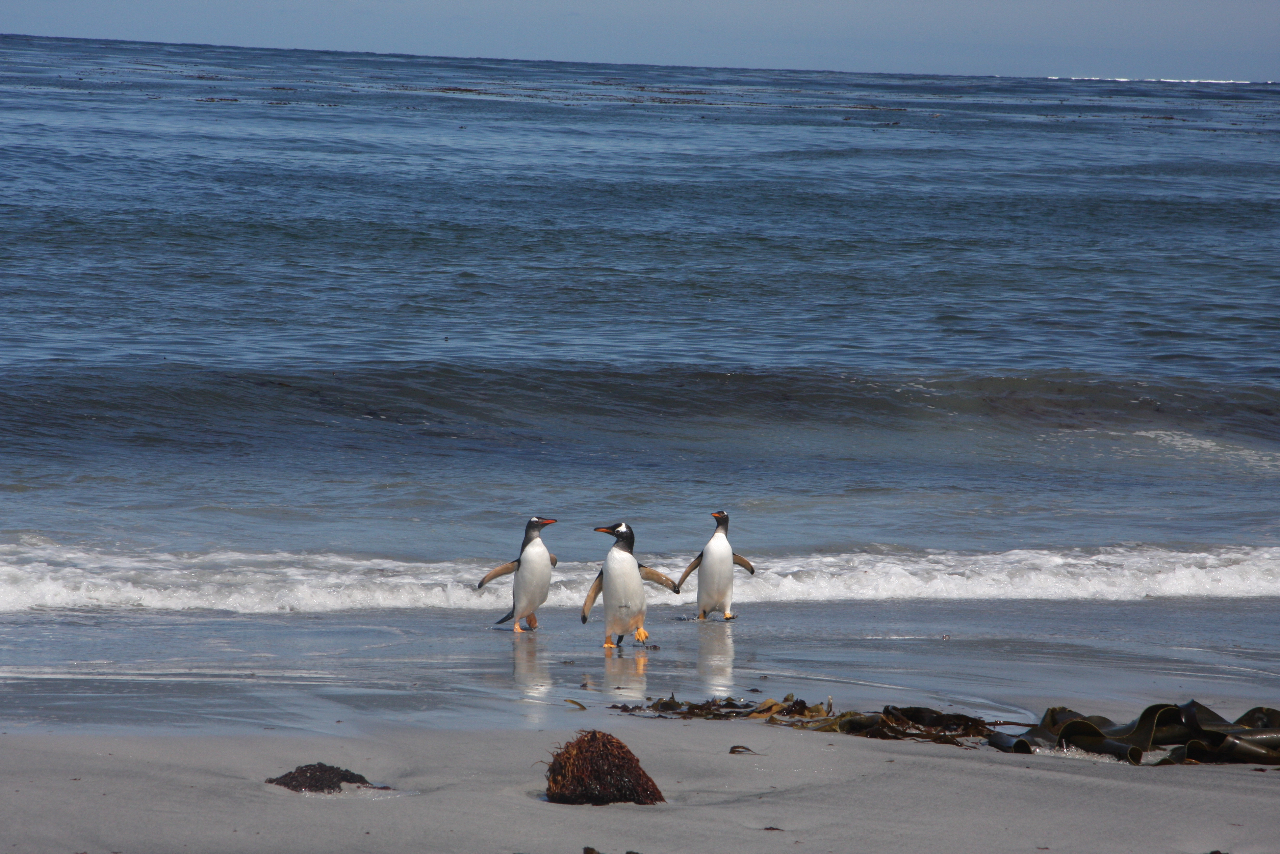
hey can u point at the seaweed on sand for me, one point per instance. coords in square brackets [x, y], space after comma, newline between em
[1190, 733]
[892, 723]
[596, 768]
[319, 777]
[718, 710]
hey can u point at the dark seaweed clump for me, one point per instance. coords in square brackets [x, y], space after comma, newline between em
[1191, 734]
[893, 723]
[1187, 734]
[718, 710]
[596, 768]
[318, 778]
[911, 722]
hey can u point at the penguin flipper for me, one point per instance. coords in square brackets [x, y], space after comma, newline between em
[596, 587]
[694, 564]
[510, 614]
[650, 574]
[498, 572]
[553, 559]
[744, 563]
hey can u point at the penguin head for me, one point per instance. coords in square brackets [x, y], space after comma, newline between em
[624, 537]
[722, 520]
[534, 527]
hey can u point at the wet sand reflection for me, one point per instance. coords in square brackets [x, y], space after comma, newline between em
[530, 673]
[624, 675]
[715, 658]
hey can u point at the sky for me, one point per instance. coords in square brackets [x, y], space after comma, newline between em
[1165, 39]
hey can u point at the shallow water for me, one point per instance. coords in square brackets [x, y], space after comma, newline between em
[448, 668]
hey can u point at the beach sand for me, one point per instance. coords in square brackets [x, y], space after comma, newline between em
[482, 791]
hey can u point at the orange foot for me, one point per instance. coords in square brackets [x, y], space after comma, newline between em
[641, 635]
[531, 621]
[608, 644]
[729, 616]
[516, 627]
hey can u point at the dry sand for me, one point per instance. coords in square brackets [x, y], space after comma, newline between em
[481, 791]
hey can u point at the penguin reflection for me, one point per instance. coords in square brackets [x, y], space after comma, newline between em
[529, 671]
[715, 658]
[624, 675]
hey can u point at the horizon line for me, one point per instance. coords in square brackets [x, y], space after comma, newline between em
[1069, 78]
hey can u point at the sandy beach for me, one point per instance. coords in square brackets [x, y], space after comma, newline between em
[482, 791]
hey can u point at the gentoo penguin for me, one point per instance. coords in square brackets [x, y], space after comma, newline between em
[715, 570]
[533, 575]
[620, 579]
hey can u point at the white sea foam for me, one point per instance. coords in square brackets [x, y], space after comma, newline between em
[37, 574]
[1114, 573]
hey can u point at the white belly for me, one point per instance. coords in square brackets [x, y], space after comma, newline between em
[532, 579]
[715, 575]
[624, 604]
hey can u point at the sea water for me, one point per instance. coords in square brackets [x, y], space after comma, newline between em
[292, 343]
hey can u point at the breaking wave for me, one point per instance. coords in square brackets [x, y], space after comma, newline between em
[37, 574]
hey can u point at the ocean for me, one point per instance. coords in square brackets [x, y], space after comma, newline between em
[986, 372]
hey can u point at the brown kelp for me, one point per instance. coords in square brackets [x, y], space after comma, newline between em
[718, 710]
[596, 768]
[1190, 733]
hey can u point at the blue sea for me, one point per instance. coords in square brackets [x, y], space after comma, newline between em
[986, 372]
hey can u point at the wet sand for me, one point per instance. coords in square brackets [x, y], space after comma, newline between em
[1006, 660]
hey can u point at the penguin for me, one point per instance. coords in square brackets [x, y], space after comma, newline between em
[715, 570]
[533, 575]
[620, 580]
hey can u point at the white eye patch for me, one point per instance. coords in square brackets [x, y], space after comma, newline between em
[622, 528]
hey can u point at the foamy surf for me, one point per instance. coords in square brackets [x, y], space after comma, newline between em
[38, 574]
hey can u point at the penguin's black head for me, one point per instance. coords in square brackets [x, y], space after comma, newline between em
[621, 531]
[722, 519]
